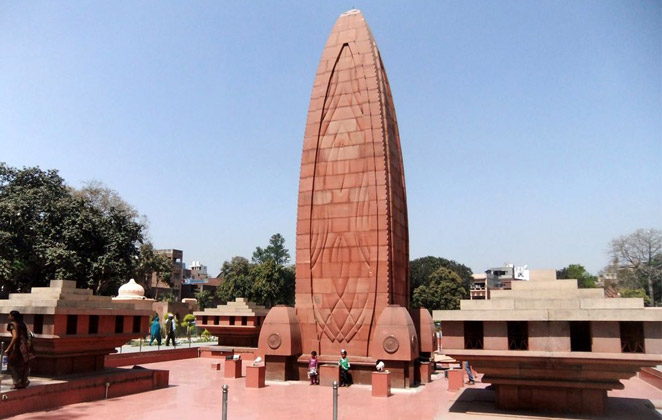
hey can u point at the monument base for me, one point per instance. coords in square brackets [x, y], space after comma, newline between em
[362, 368]
[281, 368]
[575, 382]
[109, 383]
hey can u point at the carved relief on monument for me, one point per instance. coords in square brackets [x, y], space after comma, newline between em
[341, 301]
[352, 239]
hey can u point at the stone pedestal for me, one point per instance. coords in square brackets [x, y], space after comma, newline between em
[232, 368]
[455, 379]
[425, 372]
[381, 384]
[328, 374]
[255, 376]
[216, 366]
[549, 345]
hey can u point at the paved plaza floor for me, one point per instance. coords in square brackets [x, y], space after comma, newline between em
[195, 392]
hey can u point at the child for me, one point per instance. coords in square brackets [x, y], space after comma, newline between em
[312, 369]
[345, 378]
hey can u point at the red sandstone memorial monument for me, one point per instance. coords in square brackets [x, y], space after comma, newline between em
[235, 323]
[547, 344]
[352, 256]
[74, 329]
[74, 333]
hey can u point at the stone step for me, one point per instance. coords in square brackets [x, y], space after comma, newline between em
[576, 303]
[547, 294]
[622, 303]
[499, 304]
[544, 284]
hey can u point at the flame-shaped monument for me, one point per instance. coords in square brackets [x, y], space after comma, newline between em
[352, 256]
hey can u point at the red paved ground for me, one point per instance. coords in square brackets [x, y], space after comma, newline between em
[195, 393]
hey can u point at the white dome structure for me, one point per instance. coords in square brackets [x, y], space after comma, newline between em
[131, 291]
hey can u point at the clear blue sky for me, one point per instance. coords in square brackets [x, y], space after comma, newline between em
[531, 131]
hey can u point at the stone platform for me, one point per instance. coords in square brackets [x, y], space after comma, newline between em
[193, 384]
[51, 393]
[546, 344]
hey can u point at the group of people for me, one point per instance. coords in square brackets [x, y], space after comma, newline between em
[313, 369]
[170, 328]
[346, 378]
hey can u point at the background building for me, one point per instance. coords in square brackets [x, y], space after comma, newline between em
[497, 278]
[158, 287]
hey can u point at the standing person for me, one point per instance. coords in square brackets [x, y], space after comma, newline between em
[470, 374]
[155, 331]
[312, 368]
[171, 328]
[345, 378]
[18, 355]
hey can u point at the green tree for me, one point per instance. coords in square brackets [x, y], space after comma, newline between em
[443, 290]
[266, 281]
[28, 199]
[636, 293]
[576, 271]
[204, 298]
[275, 251]
[104, 199]
[47, 231]
[149, 262]
[273, 284]
[188, 323]
[236, 280]
[420, 270]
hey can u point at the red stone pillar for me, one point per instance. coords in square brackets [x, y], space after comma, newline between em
[381, 384]
[232, 368]
[255, 376]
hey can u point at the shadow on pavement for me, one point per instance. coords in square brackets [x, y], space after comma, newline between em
[482, 402]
